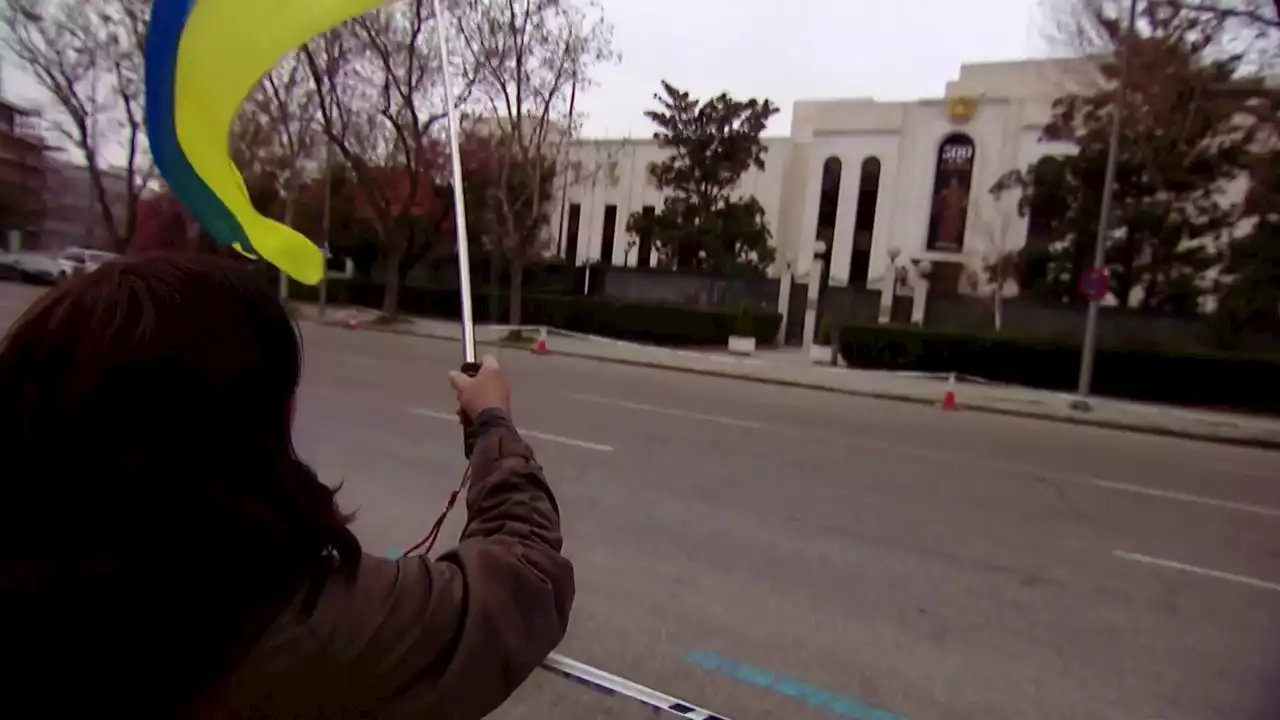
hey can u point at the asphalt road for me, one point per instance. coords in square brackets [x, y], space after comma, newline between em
[776, 553]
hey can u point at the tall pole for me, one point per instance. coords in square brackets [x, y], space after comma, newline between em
[326, 218]
[459, 196]
[283, 282]
[1090, 349]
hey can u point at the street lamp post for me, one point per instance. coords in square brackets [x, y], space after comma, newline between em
[1090, 348]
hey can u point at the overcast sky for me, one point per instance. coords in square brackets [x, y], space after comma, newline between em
[788, 50]
[784, 50]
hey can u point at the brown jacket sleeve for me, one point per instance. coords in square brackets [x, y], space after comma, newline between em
[448, 639]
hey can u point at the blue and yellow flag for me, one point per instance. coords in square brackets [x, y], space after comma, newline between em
[203, 58]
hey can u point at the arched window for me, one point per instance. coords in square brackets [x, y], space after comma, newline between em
[829, 199]
[864, 221]
[828, 209]
[953, 176]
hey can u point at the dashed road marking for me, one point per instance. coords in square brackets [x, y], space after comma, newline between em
[549, 437]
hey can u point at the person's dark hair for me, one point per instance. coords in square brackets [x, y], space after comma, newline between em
[157, 515]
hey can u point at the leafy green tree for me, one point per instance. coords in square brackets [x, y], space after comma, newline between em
[1249, 284]
[1182, 146]
[704, 222]
[1250, 298]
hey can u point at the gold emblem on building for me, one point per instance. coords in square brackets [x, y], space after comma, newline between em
[960, 110]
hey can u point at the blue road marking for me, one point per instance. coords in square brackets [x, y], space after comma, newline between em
[838, 705]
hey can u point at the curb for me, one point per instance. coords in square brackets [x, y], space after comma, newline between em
[1249, 442]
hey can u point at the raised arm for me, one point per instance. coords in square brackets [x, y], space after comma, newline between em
[505, 590]
[415, 638]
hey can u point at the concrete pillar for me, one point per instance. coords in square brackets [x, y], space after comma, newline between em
[784, 301]
[888, 287]
[814, 285]
[919, 290]
[919, 293]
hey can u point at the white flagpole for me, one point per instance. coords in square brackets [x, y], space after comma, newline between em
[581, 673]
[614, 686]
[459, 197]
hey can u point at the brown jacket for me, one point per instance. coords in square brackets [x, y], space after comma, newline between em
[448, 639]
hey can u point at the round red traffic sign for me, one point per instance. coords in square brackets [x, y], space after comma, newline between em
[1095, 284]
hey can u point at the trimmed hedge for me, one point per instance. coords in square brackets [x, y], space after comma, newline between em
[1203, 379]
[642, 322]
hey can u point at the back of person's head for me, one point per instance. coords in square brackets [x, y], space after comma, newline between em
[158, 517]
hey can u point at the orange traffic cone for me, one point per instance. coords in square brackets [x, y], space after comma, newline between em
[949, 400]
[541, 347]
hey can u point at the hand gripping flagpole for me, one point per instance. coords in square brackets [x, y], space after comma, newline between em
[580, 673]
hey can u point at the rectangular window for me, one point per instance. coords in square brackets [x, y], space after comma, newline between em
[645, 248]
[571, 235]
[610, 228]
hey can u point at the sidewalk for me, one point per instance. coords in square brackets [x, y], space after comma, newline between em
[792, 367]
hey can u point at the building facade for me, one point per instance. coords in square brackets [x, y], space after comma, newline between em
[878, 183]
[73, 217]
[47, 203]
[24, 164]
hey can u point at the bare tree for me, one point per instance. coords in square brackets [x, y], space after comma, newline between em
[381, 106]
[89, 60]
[1248, 28]
[278, 133]
[278, 137]
[997, 223]
[1254, 25]
[530, 58]
[594, 164]
[1260, 13]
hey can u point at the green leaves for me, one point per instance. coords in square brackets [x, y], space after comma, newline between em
[704, 222]
[1182, 145]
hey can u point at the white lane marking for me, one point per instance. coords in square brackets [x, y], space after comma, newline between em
[1185, 497]
[1242, 579]
[669, 411]
[523, 431]
[1014, 468]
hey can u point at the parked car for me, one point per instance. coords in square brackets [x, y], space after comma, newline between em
[30, 267]
[74, 261]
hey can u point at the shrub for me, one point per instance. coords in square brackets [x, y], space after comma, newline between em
[1204, 379]
[643, 322]
[744, 322]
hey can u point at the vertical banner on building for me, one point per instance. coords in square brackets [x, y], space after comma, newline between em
[953, 176]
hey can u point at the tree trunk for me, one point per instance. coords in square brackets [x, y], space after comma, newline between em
[391, 274]
[1124, 281]
[288, 221]
[517, 284]
[495, 281]
[997, 294]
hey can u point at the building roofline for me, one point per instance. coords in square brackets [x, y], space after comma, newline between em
[21, 109]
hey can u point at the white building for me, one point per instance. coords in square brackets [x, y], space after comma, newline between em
[903, 168]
